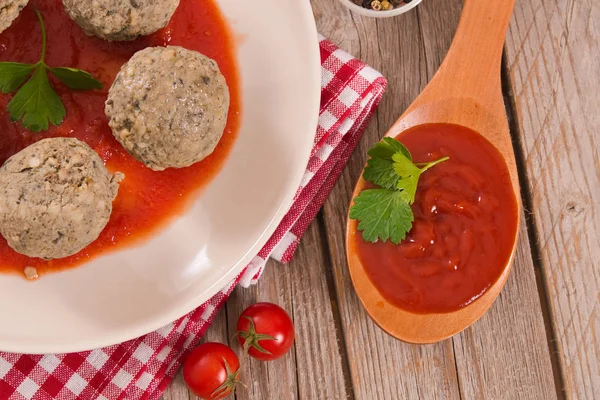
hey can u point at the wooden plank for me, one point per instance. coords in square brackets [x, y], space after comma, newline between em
[505, 354]
[480, 355]
[380, 366]
[314, 368]
[274, 379]
[177, 390]
[554, 64]
[320, 355]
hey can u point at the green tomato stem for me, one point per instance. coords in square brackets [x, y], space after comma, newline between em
[252, 338]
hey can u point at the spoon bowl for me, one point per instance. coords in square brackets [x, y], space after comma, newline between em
[465, 91]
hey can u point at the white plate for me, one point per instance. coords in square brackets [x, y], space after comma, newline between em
[127, 294]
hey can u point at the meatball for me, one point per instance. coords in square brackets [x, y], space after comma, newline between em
[118, 20]
[55, 198]
[168, 107]
[9, 11]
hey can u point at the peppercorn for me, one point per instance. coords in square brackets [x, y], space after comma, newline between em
[380, 5]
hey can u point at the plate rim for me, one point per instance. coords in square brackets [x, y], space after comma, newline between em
[158, 321]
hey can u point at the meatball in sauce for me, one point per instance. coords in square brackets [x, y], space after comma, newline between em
[55, 198]
[168, 107]
[118, 20]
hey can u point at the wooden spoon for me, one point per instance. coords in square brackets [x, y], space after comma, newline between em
[465, 91]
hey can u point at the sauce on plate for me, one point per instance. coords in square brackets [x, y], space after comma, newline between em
[147, 199]
[464, 229]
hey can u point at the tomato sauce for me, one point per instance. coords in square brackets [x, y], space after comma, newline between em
[147, 199]
[464, 229]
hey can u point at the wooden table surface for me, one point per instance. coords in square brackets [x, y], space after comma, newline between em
[541, 338]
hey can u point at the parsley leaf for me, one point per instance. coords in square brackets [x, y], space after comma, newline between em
[386, 149]
[381, 172]
[36, 103]
[379, 169]
[76, 78]
[409, 175]
[13, 75]
[383, 214]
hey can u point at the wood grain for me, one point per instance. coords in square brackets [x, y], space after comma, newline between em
[553, 54]
[505, 354]
[466, 90]
[314, 369]
[319, 347]
[480, 354]
[275, 379]
[381, 367]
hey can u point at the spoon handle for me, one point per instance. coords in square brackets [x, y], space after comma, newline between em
[472, 66]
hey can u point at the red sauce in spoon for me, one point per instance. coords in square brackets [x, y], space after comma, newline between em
[464, 229]
[147, 199]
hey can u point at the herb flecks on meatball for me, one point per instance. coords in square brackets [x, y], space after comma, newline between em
[168, 107]
[55, 198]
[120, 20]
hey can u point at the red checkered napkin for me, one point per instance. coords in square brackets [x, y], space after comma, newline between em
[142, 368]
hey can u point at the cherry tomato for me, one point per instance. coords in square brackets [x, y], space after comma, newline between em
[265, 331]
[211, 371]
